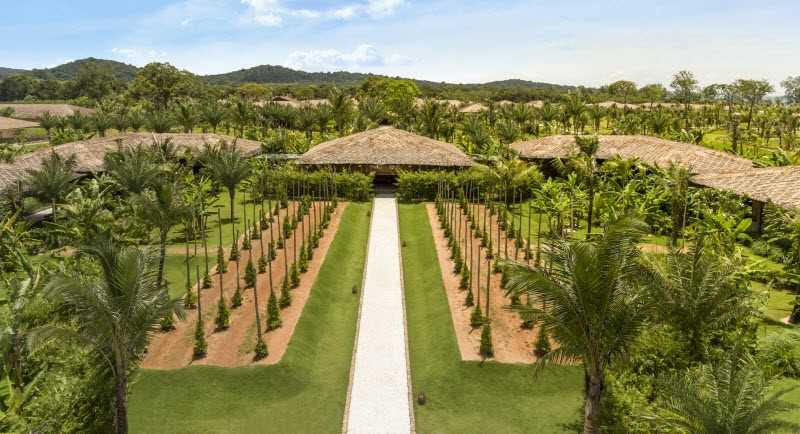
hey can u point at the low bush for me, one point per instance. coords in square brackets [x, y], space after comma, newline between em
[779, 353]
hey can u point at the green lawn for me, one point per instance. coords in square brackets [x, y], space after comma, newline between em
[471, 396]
[305, 392]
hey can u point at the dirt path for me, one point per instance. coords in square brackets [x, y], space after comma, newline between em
[174, 349]
[512, 344]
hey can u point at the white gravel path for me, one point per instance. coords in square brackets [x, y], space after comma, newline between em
[379, 397]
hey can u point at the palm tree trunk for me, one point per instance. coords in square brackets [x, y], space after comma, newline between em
[594, 394]
[232, 194]
[589, 215]
[162, 256]
[121, 400]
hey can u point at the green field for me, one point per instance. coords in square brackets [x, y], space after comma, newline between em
[471, 396]
[305, 392]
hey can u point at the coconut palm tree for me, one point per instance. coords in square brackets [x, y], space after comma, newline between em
[342, 108]
[47, 121]
[574, 108]
[583, 163]
[241, 114]
[213, 114]
[161, 208]
[227, 166]
[52, 180]
[732, 397]
[116, 311]
[133, 168]
[431, 118]
[324, 114]
[701, 291]
[592, 302]
[185, 116]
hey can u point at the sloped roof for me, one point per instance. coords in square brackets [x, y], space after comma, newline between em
[15, 124]
[33, 111]
[473, 108]
[89, 153]
[650, 150]
[386, 146]
[777, 185]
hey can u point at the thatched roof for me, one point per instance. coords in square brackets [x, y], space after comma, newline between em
[386, 146]
[650, 150]
[537, 103]
[89, 153]
[33, 111]
[15, 124]
[473, 108]
[777, 185]
[609, 104]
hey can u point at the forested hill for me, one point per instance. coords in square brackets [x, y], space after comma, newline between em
[267, 74]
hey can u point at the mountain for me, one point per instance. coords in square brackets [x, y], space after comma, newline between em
[268, 74]
[68, 71]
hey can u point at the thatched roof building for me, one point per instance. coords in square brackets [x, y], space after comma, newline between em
[777, 185]
[473, 108]
[384, 150]
[10, 127]
[650, 150]
[33, 111]
[89, 153]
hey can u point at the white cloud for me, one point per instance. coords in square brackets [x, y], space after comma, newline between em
[305, 13]
[268, 19]
[133, 53]
[364, 55]
[380, 8]
[186, 22]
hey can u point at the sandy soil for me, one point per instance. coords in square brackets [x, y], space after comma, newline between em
[173, 349]
[512, 344]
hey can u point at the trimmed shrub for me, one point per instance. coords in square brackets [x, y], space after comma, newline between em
[234, 256]
[486, 349]
[470, 301]
[281, 242]
[286, 295]
[262, 264]
[476, 317]
[222, 321]
[222, 264]
[168, 323]
[760, 248]
[237, 298]
[273, 312]
[294, 275]
[206, 280]
[261, 348]
[190, 301]
[249, 274]
[200, 344]
[246, 243]
[542, 345]
[303, 260]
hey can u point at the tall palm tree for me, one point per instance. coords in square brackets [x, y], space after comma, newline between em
[161, 208]
[342, 107]
[213, 114]
[592, 302]
[583, 163]
[227, 166]
[116, 310]
[732, 397]
[133, 168]
[52, 180]
[574, 108]
[701, 291]
[324, 114]
[241, 115]
[431, 118]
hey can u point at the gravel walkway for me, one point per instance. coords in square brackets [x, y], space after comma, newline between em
[379, 397]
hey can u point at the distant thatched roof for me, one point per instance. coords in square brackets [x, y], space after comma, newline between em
[536, 103]
[15, 124]
[473, 108]
[609, 104]
[33, 111]
[650, 150]
[777, 185]
[89, 153]
[386, 146]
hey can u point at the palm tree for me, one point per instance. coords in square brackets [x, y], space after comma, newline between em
[78, 121]
[228, 167]
[431, 117]
[372, 109]
[133, 168]
[116, 311]
[52, 180]
[583, 163]
[159, 121]
[86, 212]
[701, 291]
[732, 397]
[136, 120]
[592, 304]
[161, 208]
[47, 121]
[324, 114]
[574, 108]
[213, 114]
[242, 115]
[342, 108]
[101, 122]
[185, 116]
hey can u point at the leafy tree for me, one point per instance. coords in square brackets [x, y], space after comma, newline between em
[401, 96]
[652, 93]
[15, 87]
[752, 92]
[593, 302]
[373, 86]
[684, 87]
[160, 83]
[623, 88]
[116, 311]
[792, 87]
[254, 91]
[95, 81]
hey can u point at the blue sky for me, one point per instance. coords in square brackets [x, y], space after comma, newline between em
[567, 42]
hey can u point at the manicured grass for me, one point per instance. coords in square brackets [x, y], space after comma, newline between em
[471, 396]
[175, 270]
[305, 392]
